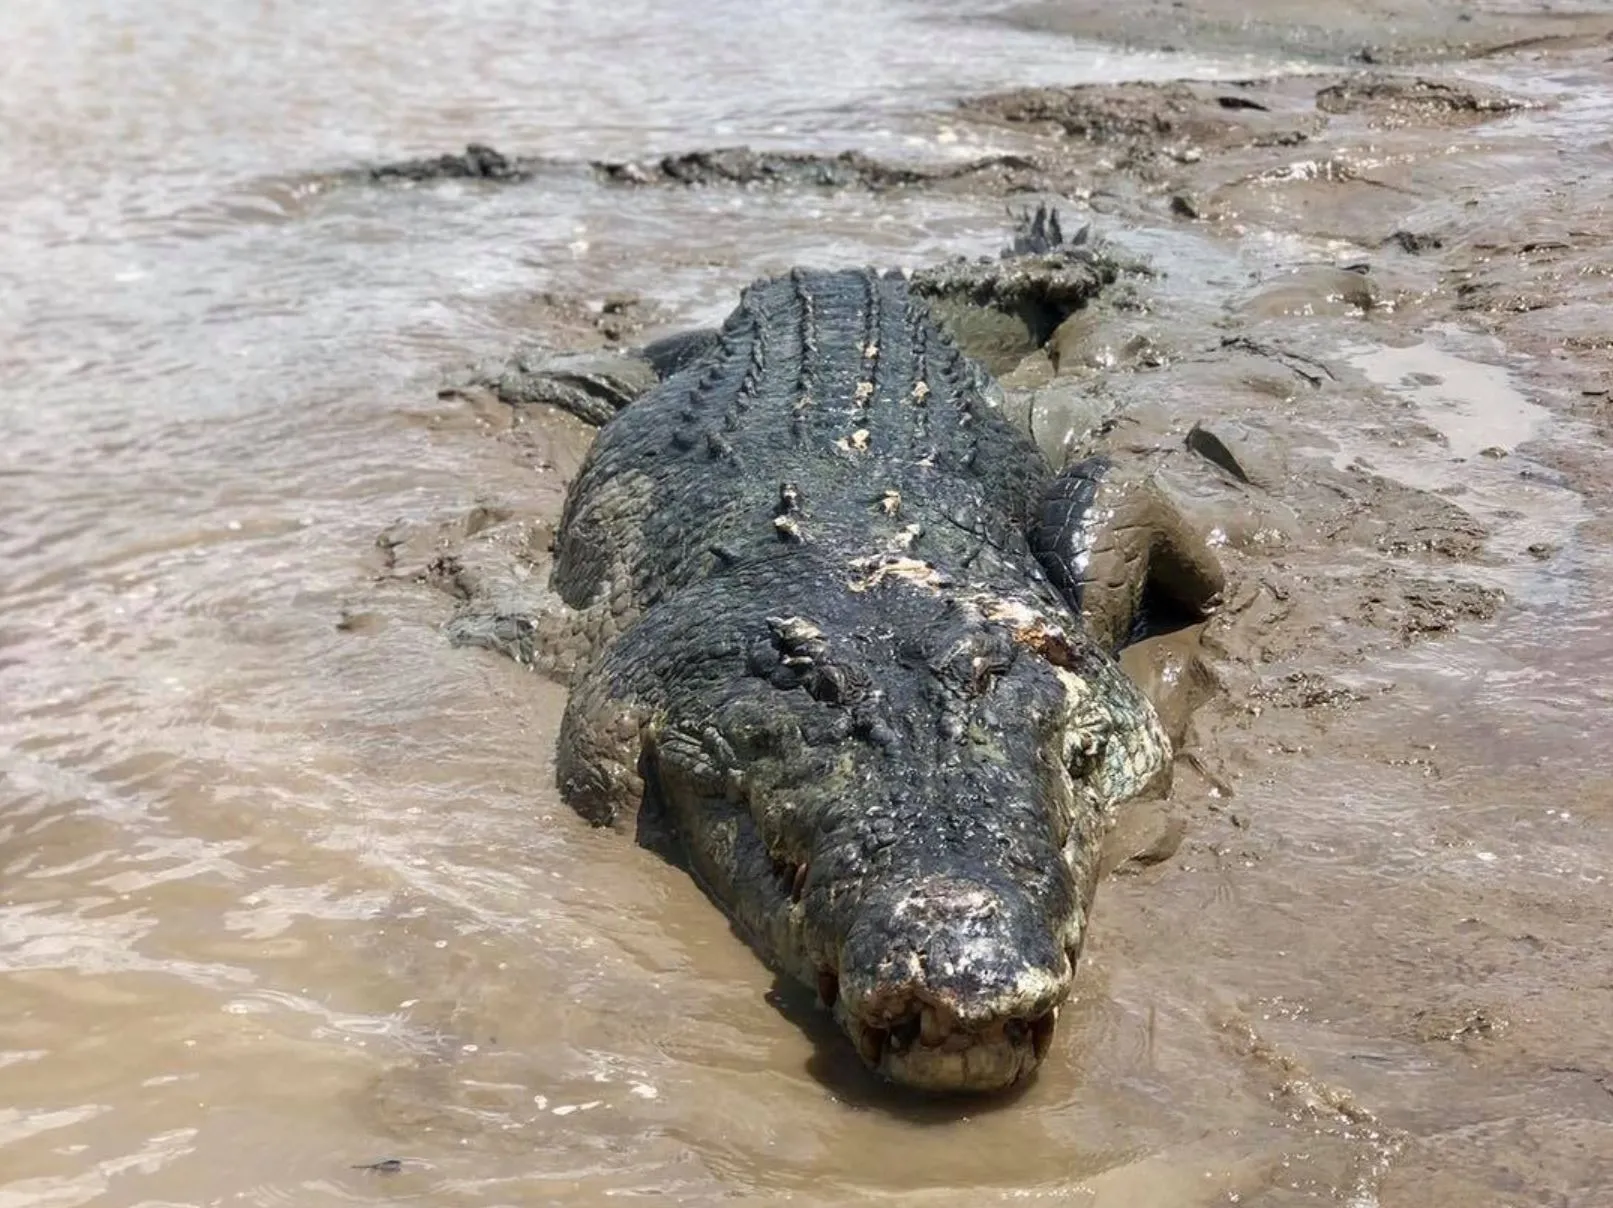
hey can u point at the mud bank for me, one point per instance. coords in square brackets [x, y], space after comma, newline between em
[1360, 332]
[1380, 294]
[289, 909]
[1400, 31]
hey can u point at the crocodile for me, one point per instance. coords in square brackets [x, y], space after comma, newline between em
[820, 607]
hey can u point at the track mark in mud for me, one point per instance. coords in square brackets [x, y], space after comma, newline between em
[1604, 1081]
[1306, 690]
[1323, 1108]
[1311, 371]
[1416, 607]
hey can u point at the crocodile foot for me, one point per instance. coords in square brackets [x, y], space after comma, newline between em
[1123, 551]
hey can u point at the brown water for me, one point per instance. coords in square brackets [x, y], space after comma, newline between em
[279, 898]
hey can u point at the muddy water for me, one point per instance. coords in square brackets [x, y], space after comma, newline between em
[284, 885]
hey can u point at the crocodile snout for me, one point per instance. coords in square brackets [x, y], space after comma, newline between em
[952, 984]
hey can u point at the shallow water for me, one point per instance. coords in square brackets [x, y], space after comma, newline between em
[278, 898]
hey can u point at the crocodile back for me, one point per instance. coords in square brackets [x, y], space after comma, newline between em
[833, 419]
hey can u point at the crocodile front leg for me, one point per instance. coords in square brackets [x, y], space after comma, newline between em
[593, 386]
[507, 607]
[1122, 553]
[599, 756]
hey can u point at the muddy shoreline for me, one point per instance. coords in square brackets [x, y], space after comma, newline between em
[286, 888]
[1380, 31]
[1380, 295]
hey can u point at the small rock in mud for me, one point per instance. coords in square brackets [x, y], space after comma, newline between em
[387, 544]
[1388, 100]
[1236, 449]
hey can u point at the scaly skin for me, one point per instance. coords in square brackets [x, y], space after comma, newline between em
[803, 618]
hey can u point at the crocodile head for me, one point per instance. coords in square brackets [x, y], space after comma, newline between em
[910, 825]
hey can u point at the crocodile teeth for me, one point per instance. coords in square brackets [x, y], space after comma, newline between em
[798, 883]
[904, 1035]
[1042, 1033]
[871, 1043]
[828, 987]
[931, 1029]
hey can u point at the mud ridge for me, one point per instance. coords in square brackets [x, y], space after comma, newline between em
[722, 166]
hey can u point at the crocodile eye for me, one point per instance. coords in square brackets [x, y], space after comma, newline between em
[755, 731]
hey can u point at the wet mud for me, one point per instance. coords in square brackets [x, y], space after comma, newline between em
[290, 911]
[1318, 352]
[1382, 31]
